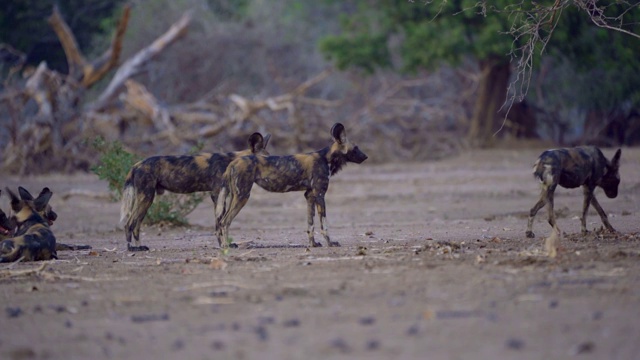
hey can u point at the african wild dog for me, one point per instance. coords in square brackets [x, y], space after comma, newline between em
[581, 166]
[179, 174]
[308, 172]
[8, 228]
[32, 239]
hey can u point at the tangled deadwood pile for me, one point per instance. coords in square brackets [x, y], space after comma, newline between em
[51, 121]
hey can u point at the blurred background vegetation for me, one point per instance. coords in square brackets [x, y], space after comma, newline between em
[411, 80]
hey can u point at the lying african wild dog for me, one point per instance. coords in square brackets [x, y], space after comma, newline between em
[581, 166]
[32, 239]
[308, 172]
[7, 227]
[179, 174]
[46, 211]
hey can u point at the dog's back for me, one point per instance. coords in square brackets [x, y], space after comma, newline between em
[571, 167]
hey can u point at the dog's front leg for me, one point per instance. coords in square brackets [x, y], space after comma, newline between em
[311, 200]
[603, 215]
[588, 196]
[534, 210]
[324, 228]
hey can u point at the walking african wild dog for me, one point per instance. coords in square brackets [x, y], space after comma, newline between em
[308, 172]
[581, 166]
[179, 174]
[32, 238]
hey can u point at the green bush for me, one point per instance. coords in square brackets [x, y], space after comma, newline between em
[114, 165]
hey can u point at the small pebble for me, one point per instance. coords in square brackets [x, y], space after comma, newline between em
[13, 312]
[553, 304]
[177, 345]
[291, 323]
[217, 345]
[367, 320]
[262, 333]
[515, 344]
[413, 330]
[340, 344]
[373, 345]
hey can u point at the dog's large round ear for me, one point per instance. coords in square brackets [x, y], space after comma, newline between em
[266, 140]
[24, 194]
[338, 132]
[615, 161]
[256, 142]
[43, 199]
[15, 201]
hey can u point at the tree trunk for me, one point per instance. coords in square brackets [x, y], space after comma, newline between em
[494, 80]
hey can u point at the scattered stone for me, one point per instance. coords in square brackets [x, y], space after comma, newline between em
[217, 345]
[262, 333]
[597, 315]
[13, 312]
[177, 345]
[68, 324]
[413, 330]
[291, 323]
[367, 320]
[373, 345]
[553, 304]
[584, 348]
[149, 317]
[341, 345]
[515, 344]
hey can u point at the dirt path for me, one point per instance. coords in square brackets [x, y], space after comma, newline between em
[434, 264]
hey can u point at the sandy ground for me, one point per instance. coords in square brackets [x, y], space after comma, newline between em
[434, 264]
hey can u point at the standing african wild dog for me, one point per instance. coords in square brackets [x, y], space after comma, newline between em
[33, 239]
[308, 172]
[581, 166]
[179, 174]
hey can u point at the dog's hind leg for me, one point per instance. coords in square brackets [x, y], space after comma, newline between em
[324, 226]
[236, 200]
[142, 203]
[311, 213]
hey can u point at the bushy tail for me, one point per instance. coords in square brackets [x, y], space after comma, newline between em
[538, 169]
[128, 198]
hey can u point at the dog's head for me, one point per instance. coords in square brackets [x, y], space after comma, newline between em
[343, 150]
[25, 206]
[611, 179]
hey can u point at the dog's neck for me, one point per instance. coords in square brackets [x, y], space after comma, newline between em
[335, 160]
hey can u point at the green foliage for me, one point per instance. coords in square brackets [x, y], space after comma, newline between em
[114, 165]
[23, 25]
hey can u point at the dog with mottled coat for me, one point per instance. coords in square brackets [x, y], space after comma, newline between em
[183, 174]
[31, 238]
[308, 172]
[584, 166]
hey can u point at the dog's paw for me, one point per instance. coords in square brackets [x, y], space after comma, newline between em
[137, 248]
[315, 244]
[530, 234]
[334, 244]
[233, 246]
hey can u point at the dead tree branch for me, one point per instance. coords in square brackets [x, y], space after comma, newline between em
[134, 65]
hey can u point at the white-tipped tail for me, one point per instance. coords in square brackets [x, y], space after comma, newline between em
[128, 196]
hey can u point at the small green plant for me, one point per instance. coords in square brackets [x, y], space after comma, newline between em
[114, 165]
